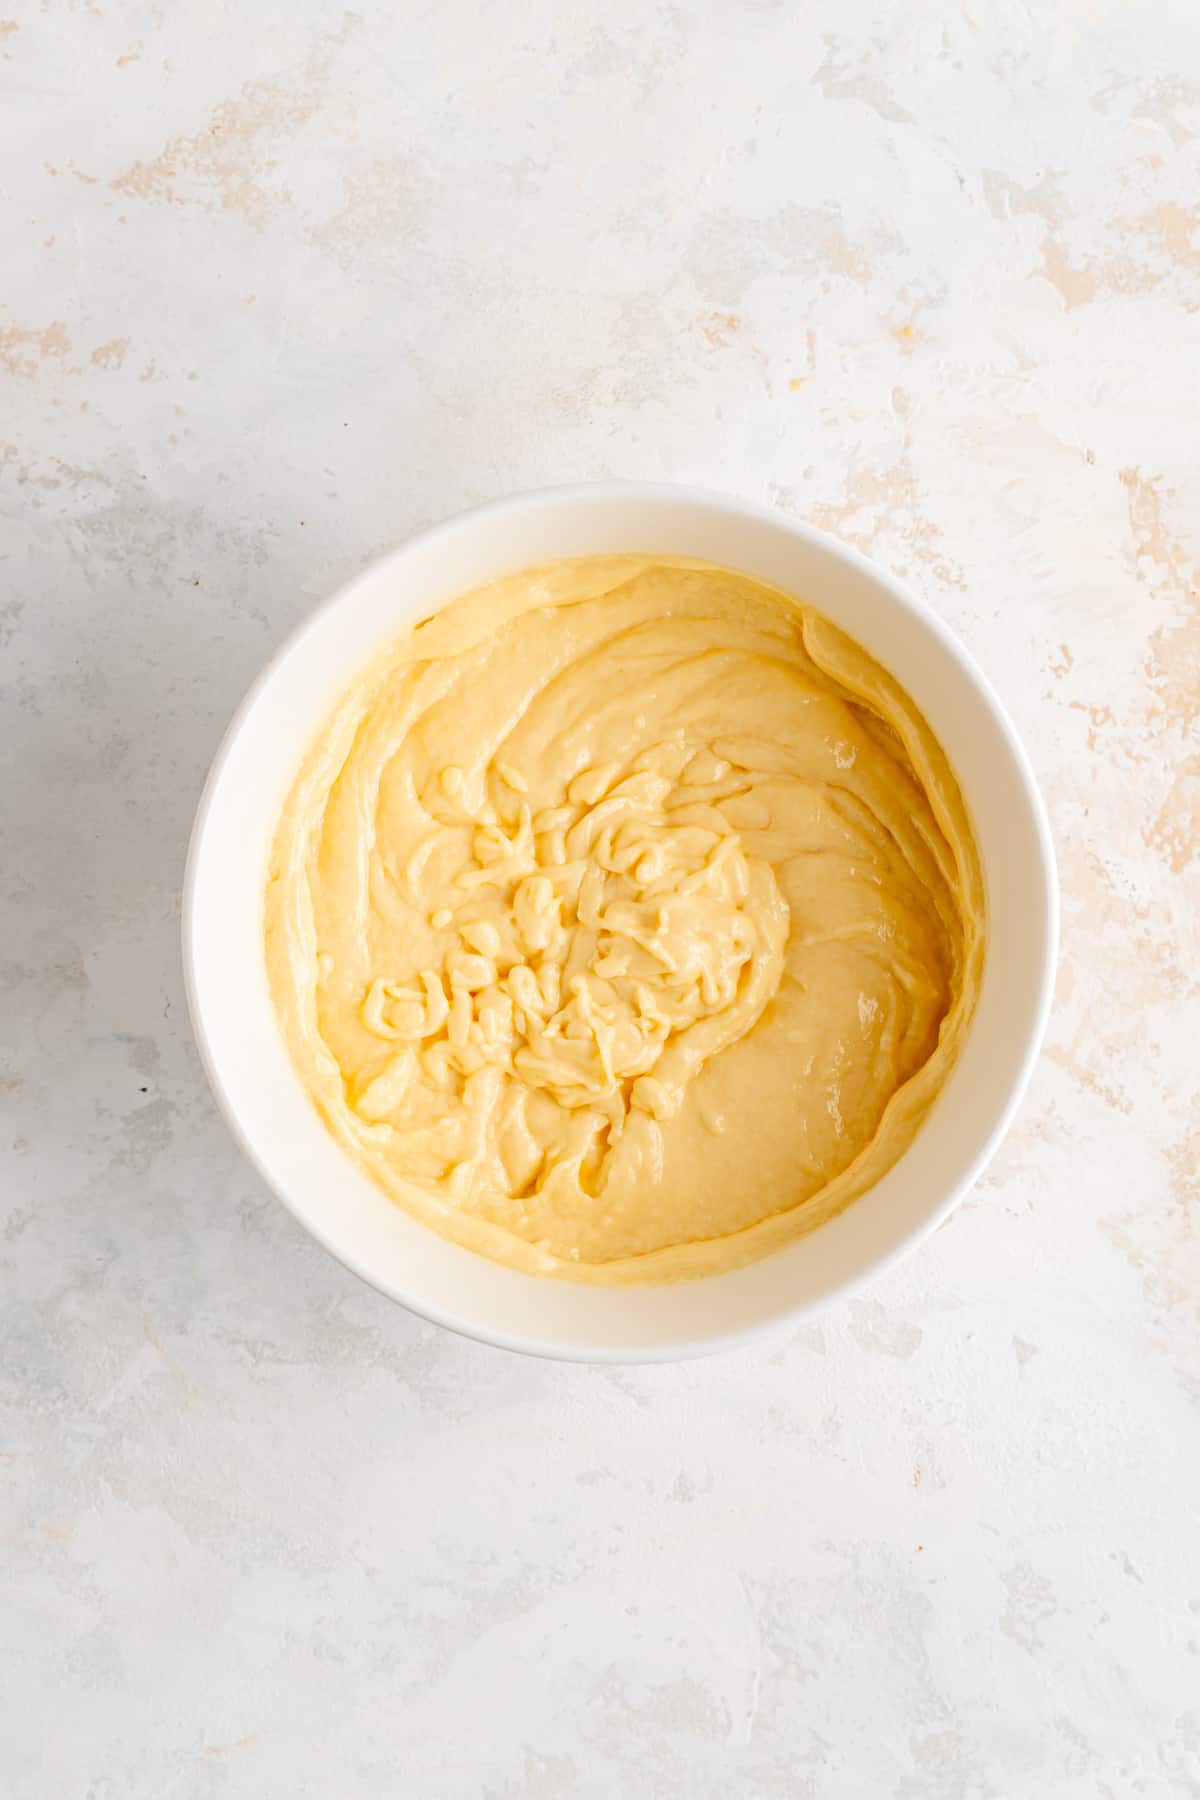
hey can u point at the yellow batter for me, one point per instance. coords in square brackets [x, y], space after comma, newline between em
[624, 920]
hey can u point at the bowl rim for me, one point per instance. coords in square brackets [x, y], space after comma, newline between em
[873, 1265]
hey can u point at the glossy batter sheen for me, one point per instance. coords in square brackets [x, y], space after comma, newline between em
[624, 920]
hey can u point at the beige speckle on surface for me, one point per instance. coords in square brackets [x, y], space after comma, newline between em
[25, 353]
[111, 355]
[930, 277]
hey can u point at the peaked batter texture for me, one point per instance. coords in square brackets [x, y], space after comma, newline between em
[624, 920]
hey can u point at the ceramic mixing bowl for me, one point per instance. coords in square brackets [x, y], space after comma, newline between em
[275, 1121]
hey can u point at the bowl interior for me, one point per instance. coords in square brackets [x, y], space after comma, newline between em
[235, 1022]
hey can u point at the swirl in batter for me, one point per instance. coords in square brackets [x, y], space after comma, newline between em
[624, 920]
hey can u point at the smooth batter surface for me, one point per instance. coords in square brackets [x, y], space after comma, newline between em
[624, 920]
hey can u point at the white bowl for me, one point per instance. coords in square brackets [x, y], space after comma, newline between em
[277, 1125]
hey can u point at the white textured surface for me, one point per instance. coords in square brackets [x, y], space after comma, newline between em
[284, 282]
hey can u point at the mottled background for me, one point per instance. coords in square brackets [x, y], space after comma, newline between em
[281, 283]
